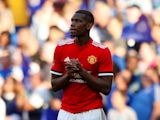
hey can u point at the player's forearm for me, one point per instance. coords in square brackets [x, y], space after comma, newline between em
[59, 82]
[99, 84]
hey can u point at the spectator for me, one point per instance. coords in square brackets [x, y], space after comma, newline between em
[146, 6]
[102, 14]
[21, 61]
[149, 97]
[146, 59]
[27, 42]
[132, 62]
[115, 32]
[152, 72]
[138, 29]
[120, 10]
[119, 45]
[27, 50]
[6, 41]
[13, 111]
[41, 21]
[6, 63]
[120, 50]
[122, 80]
[121, 110]
[39, 97]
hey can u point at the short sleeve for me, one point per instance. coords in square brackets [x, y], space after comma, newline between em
[105, 64]
[56, 66]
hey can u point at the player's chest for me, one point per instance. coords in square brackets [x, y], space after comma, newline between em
[87, 56]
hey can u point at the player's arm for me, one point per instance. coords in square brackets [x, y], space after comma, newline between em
[104, 82]
[59, 82]
[101, 84]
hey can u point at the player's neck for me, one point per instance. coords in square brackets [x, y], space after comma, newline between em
[82, 40]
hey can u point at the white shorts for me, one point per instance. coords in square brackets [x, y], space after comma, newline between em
[96, 114]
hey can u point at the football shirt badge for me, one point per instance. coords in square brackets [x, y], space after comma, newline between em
[92, 59]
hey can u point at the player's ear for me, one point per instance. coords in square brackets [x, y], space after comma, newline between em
[89, 26]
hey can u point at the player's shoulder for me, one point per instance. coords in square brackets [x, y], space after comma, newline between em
[98, 45]
[65, 42]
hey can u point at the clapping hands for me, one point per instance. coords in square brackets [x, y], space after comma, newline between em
[73, 66]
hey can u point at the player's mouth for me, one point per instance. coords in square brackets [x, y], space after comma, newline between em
[73, 31]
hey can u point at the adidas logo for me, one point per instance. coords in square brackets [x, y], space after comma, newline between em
[67, 59]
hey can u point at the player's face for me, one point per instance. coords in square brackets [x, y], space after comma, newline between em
[78, 25]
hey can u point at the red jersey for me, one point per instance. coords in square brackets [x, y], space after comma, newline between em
[96, 59]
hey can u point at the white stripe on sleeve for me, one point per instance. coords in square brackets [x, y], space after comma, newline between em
[55, 73]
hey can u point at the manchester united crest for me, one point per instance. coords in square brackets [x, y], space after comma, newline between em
[92, 59]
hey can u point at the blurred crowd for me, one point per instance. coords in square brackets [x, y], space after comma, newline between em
[30, 30]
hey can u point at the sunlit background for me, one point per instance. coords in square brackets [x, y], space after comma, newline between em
[30, 30]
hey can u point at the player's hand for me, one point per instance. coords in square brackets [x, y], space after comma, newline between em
[73, 66]
[77, 65]
[70, 67]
